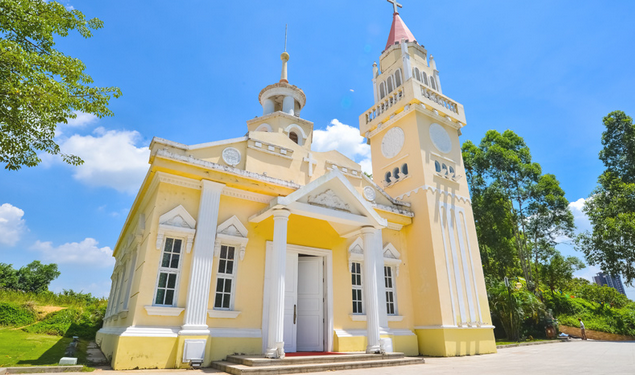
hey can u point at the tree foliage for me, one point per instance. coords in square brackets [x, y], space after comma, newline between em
[611, 206]
[41, 87]
[519, 212]
[35, 277]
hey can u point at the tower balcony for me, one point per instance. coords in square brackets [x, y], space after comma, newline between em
[411, 92]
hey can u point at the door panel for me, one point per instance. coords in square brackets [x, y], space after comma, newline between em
[290, 302]
[310, 301]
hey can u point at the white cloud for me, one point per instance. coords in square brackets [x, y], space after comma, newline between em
[582, 222]
[111, 158]
[588, 272]
[80, 121]
[12, 225]
[345, 139]
[85, 253]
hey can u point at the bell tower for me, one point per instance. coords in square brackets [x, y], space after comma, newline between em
[413, 130]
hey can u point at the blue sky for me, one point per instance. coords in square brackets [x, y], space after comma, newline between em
[191, 71]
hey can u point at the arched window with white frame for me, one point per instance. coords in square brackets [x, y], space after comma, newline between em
[398, 78]
[382, 90]
[433, 83]
[390, 86]
[424, 78]
[416, 74]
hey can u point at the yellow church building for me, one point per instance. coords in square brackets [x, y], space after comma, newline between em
[259, 245]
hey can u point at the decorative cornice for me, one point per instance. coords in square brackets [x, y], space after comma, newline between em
[246, 195]
[178, 181]
[434, 190]
[394, 210]
[165, 154]
[282, 85]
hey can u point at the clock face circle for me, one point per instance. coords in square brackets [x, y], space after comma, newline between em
[392, 142]
[440, 138]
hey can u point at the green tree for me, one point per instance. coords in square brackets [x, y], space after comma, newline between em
[604, 295]
[549, 219]
[35, 277]
[611, 206]
[8, 276]
[41, 87]
[558, 271]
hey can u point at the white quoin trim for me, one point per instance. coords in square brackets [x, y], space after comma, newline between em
[177, 222]
[392, 257]
[231, 232]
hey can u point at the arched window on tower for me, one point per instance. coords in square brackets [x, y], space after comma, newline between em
[433, 83]
[390, 86]
[293, 136]
[382, 90]
[387, 177]
[395, 172]
[398, 78]
[404, 169]
[424, 77]
[452, 172]
[416, 74]
[437, 166]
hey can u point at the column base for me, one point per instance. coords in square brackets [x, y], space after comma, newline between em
[194, 330]
[373, 349]
[276, 352]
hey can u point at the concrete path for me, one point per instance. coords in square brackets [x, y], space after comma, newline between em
[575, 357]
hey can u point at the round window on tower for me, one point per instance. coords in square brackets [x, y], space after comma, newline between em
[293, 136]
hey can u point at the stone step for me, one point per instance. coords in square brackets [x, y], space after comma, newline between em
[248, 360]
[237, 369]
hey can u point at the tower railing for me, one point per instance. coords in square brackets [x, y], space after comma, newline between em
[411, 91]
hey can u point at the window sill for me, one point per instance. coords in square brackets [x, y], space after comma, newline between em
[164, 310]
[362, 318]
[358, 317]
[223, 314]
[123, 314]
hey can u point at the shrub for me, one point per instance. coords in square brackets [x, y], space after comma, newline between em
[82, 322]
[12, 314]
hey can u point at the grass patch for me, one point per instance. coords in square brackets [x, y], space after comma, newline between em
[19, 348]
[502, 342]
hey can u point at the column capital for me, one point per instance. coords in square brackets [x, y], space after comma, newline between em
[281, 213]
[368, 230]
[212, 186]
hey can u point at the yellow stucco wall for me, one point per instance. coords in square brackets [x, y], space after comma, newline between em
[456, 342]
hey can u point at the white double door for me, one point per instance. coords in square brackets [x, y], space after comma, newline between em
[304, 304]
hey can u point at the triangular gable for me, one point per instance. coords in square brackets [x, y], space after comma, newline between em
[345, 199]
[232, 227]
[382, 193]
[178, 217]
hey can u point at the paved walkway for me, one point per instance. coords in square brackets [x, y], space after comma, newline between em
[575, 357]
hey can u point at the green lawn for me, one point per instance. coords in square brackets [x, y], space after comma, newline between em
[18, 348]
[501, 342]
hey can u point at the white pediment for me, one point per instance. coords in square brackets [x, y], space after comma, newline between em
[329, 199]
[176, 222]
[178, 217]
[355, 252]
[232, 227]
[231, 232]
[392, 257]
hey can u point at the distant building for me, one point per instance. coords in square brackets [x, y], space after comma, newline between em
[614, 282]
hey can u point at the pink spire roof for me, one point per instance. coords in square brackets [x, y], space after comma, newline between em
[398, 31]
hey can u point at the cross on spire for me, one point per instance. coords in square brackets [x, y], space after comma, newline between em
[395, 4]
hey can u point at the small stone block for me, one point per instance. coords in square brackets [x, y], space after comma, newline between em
[271, 148]
[258, 144]
[65, 361]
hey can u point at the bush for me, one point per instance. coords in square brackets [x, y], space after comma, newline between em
[12, 314]
[82, 322]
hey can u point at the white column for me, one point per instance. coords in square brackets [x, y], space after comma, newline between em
[267, 107]
[275, 340]
[202, 260]
[370, 289]
[288, 105]
[381, 283]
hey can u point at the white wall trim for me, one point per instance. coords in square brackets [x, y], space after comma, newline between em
[402, 332]
[223, 314]
[395, 318]
[236, 332]
[358, 317]
[246, 195]
[350, 332]
[141, 331]
[163, 310]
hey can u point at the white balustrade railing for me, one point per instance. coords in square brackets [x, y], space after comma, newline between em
[439, 99]
[384, 104]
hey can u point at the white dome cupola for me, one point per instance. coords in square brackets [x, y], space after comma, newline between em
[282, 96]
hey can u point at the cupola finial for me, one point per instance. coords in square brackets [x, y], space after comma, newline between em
[395, 5]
